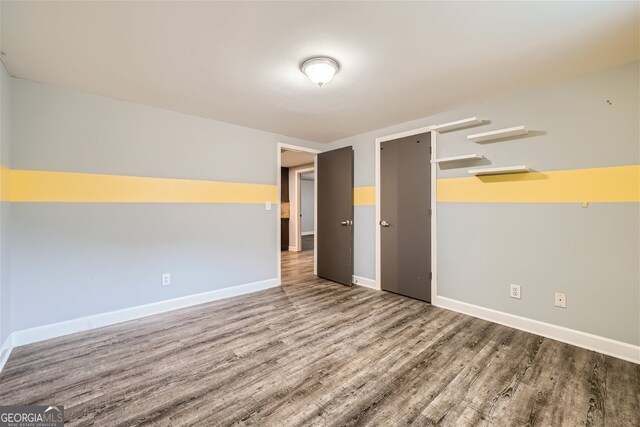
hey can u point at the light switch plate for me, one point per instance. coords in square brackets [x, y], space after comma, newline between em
[166, 279]
[267, 206]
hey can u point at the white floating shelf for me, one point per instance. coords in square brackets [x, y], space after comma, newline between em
[498, 134]
[457, 158]
[458, 124]
[499, 171]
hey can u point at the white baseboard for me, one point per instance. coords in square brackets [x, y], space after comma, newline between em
[367, 283]
[585, 340]
[5, 350]
[293, 249]
[307, 233]
[581, 339]
[41, 333]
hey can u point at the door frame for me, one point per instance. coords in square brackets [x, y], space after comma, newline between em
[298, 189]
[289, 147]
[434, 240]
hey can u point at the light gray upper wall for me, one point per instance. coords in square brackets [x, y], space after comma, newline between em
[5, 160]
[59, 129]
[5, 119]
[571, 127]
[307, 203]
[108, 256]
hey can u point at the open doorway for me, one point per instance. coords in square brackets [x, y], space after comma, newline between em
[306, 202]
[330, 173]
[297, 211]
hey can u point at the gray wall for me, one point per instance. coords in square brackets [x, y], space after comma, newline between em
[591, 254]
[106, 256]
[103, 257]
[306, 205]
[5, 140]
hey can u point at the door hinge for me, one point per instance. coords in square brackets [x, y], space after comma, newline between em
[429, 211]
[430, 275]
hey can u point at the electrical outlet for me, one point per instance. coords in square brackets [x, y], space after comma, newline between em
[514, 291]
[561, 300]
[267, 206]
[166, 279]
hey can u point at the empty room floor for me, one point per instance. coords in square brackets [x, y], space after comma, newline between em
[316, 353]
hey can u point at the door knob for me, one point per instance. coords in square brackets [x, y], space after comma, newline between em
[347, 222]
[384, 223]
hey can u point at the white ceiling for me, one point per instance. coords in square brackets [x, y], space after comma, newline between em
[290, 159]
[238, 61]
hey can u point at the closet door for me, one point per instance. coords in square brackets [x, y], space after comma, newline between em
[405, 213]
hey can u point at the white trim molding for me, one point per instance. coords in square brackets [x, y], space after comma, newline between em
[45, 332]
[585, 340]
[434, 217]
[5, 350]
[404, 134]
[367, 283]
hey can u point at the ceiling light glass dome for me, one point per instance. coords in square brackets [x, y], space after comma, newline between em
[320, 70]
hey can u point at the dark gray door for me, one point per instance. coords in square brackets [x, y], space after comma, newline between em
[335, 215]
[405, 223]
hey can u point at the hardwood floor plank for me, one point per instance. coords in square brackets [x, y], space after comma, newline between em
[475, 383]
[622, 401]
[317, 353]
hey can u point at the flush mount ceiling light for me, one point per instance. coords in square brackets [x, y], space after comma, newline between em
[320, 70]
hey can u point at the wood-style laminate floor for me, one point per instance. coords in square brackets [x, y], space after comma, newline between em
[316, 353]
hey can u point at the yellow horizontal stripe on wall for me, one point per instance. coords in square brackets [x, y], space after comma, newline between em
[364, 196]
[5, 174]
[610, 184]
[42, 186]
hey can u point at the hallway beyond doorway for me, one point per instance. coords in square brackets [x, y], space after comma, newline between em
[307, 242]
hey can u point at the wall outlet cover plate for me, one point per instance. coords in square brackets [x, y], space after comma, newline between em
[515, 291]
[560, 300]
